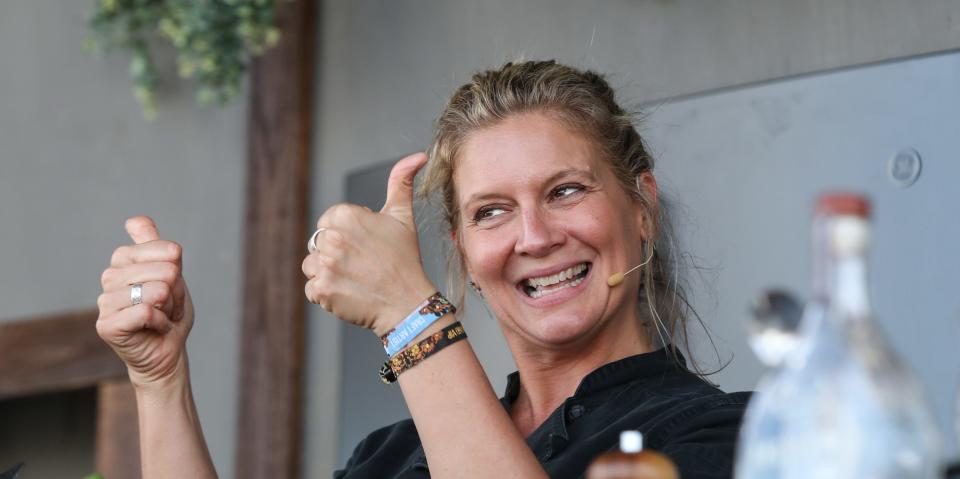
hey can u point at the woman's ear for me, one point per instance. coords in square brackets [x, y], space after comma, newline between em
[647, 207]
[464, 264]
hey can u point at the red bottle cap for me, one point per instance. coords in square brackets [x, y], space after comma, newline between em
[843, 203]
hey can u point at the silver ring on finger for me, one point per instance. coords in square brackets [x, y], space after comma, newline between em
[136, 294]
[312, 242]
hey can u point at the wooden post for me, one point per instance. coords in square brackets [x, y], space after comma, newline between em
[118, 435]
[272, 349]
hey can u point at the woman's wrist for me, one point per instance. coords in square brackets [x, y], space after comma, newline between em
[171, 437]
[176, 381]
[395, 313]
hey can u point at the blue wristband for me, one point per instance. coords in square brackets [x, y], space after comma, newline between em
[429, 311]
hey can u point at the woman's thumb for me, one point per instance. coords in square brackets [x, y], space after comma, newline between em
[399, 203]
[142, 229]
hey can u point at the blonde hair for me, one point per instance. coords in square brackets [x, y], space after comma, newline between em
[584, 102]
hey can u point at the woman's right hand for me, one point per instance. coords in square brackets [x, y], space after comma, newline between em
[149, 337]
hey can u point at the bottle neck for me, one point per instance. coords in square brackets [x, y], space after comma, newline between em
[851, 297]
[840, 267]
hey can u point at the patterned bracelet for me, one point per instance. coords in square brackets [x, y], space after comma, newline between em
[429, 311]
[415, 354]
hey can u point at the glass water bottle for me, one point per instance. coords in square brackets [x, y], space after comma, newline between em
[843, 405]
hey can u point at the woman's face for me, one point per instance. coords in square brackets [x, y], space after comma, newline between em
[543, 224]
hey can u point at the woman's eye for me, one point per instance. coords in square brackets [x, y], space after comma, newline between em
[488, 212]
[565, 191]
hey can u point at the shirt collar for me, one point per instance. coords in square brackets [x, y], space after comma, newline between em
[631, 368]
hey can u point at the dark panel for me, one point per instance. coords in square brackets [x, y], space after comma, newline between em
[52, 434]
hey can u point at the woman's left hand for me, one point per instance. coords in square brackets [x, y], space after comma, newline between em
[367, 269]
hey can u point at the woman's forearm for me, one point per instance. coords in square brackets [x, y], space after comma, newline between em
[171, 439]
[464, 429]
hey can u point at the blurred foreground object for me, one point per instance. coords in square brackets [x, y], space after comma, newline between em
[774, 328]
[213, 40]
[632, 462]
[842, 405]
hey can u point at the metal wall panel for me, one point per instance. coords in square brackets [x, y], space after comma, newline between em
[747, 164]
[742, 168]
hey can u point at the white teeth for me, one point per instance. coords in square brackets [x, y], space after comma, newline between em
[539, 293]
[556, 278]
[544, 281]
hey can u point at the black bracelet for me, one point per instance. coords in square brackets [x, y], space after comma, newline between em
[415, 354]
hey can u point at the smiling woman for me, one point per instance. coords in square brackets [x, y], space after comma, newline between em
[549, 193]
[546, 122]
[541, 205]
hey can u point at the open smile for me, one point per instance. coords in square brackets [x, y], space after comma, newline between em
[542, 286]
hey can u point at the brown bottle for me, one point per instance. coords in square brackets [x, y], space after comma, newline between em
[632, 462]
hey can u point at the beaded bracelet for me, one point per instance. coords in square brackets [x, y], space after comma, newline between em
[415, 354]
[416, 322]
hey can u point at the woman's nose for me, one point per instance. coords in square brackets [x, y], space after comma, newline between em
[539, 234]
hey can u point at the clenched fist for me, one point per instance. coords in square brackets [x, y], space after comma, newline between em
[366, 269]
[150, 337]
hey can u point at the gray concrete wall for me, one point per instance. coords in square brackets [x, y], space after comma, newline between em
[76, 159]
[386, 69]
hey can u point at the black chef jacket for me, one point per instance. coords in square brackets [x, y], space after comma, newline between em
[679, 414]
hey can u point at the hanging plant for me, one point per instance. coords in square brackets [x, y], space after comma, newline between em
[213, 40]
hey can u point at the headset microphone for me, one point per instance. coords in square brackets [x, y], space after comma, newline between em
[617, 278]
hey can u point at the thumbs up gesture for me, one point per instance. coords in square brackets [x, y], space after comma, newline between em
[150, 336]
[367, 269]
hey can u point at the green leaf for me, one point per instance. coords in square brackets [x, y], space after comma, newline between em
[213, 41]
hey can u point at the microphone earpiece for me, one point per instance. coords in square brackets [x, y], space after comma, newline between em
[616, 278]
